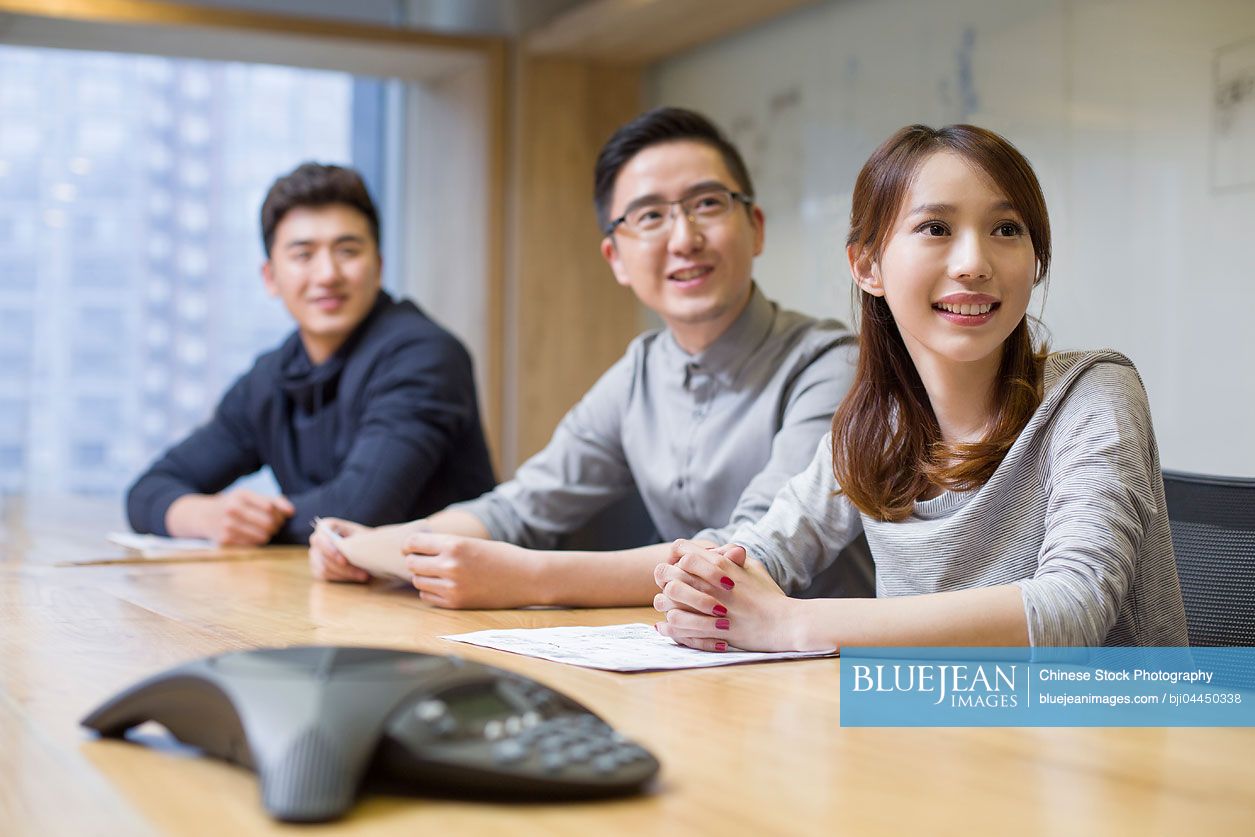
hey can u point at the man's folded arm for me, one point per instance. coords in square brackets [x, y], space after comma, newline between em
[206, 462]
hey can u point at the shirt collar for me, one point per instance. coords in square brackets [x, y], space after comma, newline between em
[725, 357]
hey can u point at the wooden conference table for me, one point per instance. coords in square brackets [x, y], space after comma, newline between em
[745, 749]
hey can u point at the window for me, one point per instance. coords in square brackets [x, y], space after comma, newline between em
[18, 270]
[12, 418]
[132, 295]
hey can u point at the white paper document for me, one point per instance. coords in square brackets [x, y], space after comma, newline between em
[149, 545]
[617, 648]
[378, 550]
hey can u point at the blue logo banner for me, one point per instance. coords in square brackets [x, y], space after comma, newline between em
[1048, 687]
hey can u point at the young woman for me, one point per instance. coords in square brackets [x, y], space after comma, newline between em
[1010, 497]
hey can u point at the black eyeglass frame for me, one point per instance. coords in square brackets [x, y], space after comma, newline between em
[747, 200]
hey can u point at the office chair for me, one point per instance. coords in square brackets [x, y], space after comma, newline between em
[626, 524]
[1213, 535]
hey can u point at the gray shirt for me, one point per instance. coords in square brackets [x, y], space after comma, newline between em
[707, 439]
[1074, 515]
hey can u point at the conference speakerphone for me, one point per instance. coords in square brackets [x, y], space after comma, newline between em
[313, 721]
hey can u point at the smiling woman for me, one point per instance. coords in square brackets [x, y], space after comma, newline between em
[943, 220]
[1009, 497]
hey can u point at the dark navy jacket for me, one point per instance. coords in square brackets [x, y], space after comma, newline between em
[386, 430]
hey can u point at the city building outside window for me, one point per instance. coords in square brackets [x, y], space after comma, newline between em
[130, 296]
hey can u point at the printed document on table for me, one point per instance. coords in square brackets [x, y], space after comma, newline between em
[617, 648]
[156, 545]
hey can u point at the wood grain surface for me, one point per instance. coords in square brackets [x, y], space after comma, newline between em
[745, 749]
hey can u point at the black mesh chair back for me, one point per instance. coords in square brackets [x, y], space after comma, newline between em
[626, 524]
[1213, 534]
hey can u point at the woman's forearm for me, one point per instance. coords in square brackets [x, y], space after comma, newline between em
[990, 616]
[600, 579]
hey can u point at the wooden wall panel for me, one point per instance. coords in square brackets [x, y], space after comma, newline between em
[570, 319]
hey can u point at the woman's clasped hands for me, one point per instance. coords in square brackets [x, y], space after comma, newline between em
[716, 599]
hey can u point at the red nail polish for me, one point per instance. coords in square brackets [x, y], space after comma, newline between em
[727, 583]
[719, 610]
[723, 624]
[721, 646]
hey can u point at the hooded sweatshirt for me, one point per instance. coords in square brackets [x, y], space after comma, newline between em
[385, 430]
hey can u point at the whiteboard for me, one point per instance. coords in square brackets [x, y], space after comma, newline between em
[1138, 116]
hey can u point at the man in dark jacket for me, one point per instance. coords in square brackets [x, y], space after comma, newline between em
[367, 411]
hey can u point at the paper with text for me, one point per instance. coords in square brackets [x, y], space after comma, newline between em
[632, 647]
[154, 545]
[378, 551]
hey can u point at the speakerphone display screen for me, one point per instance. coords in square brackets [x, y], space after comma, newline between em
[475, 707]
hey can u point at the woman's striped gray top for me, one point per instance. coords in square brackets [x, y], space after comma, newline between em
[1074, 515]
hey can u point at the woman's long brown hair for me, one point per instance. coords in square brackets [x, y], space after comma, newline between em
[887, 450]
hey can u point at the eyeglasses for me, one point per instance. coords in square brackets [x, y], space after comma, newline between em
[655, 219]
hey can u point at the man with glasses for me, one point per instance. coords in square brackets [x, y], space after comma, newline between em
[706, 418]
